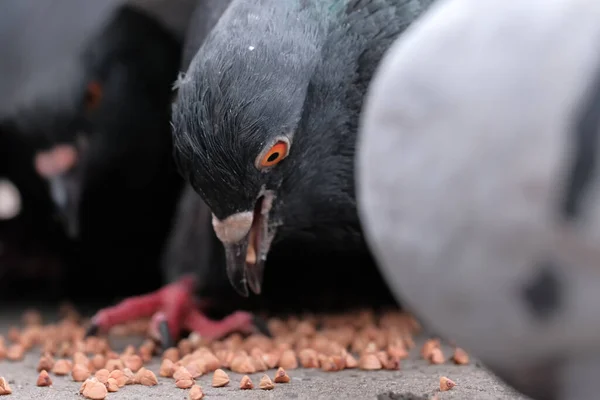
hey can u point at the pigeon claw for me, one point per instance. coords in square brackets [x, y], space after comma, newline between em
[239, 321]
[92, 330]
[261, 325]
[174, 309]
[165, 339]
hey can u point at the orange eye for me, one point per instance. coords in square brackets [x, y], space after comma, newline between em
[93, 95]
[275, 154]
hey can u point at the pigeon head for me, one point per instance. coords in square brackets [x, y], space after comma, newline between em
[239, 123]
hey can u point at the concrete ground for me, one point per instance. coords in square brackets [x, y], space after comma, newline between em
[416, 377]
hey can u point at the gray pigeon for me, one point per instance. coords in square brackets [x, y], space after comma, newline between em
[266, 118]
[270, 73]
[478, 189]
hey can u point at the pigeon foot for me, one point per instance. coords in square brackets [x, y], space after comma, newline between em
[173, 308]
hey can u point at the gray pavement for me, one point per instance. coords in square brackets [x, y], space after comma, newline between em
[415, 376]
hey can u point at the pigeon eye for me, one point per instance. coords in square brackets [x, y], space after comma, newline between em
[274, 155]
[93, 95]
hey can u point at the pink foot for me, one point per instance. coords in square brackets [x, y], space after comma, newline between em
[173, 308]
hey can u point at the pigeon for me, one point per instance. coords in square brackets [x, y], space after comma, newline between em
[264, 124]
[265, 120]
[103, 143]
[477, 184]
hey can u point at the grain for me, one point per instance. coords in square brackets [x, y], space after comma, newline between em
[44, 379]
[281, 376]
[350, 361]
[145, 377]
[246, 383]
[182, 373]
[112, 385]
[172, 354]
[93, 389]
[119, 377]
[428, 347]
[62, 367]
[4, 387]
[196, 393]
[15, 352]
[129, 376]
[436, 356]
[308, 358]
[133, 362]
[220, 378]
[446, 384]
[46, 362]
[288, 360]
[266, 383]
[167, 368]
[102, 375]
[369, 362]
[80, 373]
[460, 357]
[113, 364]
[98, 361]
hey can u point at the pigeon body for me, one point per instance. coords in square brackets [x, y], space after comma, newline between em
[194, 249]
[478, 185]
[266, 117]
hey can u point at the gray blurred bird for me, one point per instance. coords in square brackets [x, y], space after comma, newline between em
[266, 119]
[101, 140]
[478, 185]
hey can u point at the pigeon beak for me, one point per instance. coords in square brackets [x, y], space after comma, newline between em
[66, 193]
[247, 239]
[61, 166]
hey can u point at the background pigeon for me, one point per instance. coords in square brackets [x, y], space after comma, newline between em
[103, 142]
[478, 185]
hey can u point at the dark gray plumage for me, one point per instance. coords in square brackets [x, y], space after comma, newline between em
[478, 184]
[291, 74]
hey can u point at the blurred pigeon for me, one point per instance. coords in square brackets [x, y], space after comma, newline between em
[103, 142]
[478, 186]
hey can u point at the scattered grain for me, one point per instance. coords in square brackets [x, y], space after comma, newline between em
[446, 384]
[196, 393]
[44, 379]
[266, 383]
[220, 378]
